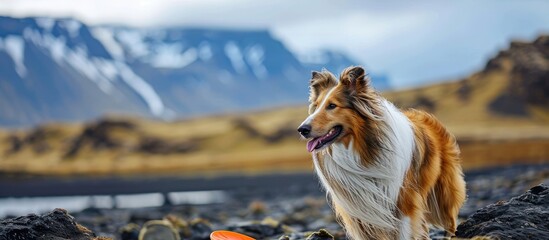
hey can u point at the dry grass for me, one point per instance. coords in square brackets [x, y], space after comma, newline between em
[225, 149]
[249, 144]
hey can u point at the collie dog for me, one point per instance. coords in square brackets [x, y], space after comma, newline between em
[388, 173]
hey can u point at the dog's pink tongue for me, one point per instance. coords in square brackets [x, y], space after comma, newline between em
[311, 145]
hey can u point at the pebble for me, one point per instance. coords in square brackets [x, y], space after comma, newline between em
[302, 211]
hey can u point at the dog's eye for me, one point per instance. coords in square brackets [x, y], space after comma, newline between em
[331, 106]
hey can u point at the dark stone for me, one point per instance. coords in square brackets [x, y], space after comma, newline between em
[200, 230]
[158, 229]
[130, 232]
[522, 217]
[537, 189]
[258, 230]
[141, 216]
[322, 234]
[54, 225]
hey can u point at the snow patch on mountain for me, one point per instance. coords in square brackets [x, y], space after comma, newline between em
[254, 57]
[142, 88]
[72, 26]
[78, 58]
[133, 41]
[205, 51]
[107, 68]
[99, 70]
[15, 47]
[170, 56]
[61, 54]
[235, 55]
[106, 37]
[55, 46]
[45, 23]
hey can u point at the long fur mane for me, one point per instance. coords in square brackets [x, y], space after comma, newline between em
[388, 173]
[365, 195]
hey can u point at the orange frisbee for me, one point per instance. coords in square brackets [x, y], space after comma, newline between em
[228, 235]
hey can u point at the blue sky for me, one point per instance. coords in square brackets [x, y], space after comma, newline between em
[413, 42]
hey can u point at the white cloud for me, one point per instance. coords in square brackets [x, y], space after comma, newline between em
[218, 13]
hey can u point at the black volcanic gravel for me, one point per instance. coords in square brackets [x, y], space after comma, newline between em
[297, 211]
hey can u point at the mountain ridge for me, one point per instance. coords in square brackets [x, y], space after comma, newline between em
[65, 70]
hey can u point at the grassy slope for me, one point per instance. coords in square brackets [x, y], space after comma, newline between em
[485, 139]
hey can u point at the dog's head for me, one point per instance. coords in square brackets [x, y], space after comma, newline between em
[339, 110]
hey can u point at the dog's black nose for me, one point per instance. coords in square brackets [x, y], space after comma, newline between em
[304, 130]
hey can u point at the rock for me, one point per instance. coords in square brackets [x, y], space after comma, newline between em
[130, 232]
[182, 226]
[527, 65]
[54, 225]
[200, 229]
[257, 208]
[522, 217]
[322, 234]
[141, 216]
[260, 230]
[296, 212]
[158, 230]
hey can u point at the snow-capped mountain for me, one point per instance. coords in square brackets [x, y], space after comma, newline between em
[63, 70]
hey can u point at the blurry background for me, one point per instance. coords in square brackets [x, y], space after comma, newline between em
[102, 99]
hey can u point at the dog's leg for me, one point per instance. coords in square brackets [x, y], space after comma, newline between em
[450, 193]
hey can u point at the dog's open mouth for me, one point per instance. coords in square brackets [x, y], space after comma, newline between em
[319, 142]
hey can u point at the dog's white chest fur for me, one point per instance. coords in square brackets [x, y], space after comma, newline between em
[370, 193]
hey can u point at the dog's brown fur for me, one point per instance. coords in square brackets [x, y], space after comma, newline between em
[433, 189]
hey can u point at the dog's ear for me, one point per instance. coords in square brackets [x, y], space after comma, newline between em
[365, 99]
[355, 79]
[320, 81]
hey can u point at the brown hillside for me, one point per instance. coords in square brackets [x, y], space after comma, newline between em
[513, 86]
